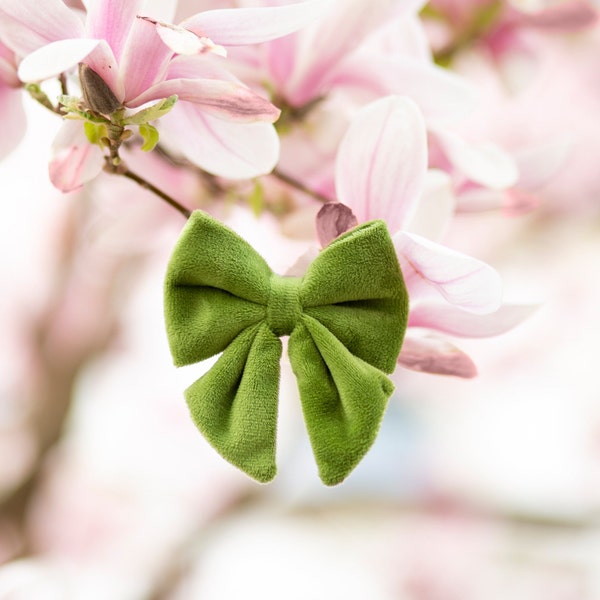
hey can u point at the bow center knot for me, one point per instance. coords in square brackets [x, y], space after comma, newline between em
[284, 309]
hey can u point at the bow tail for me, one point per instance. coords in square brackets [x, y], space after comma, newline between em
[343, 398]
[234, 404]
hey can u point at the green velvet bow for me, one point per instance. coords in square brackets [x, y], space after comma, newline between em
[346, 320]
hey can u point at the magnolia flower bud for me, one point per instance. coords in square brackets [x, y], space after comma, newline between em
[96, 93]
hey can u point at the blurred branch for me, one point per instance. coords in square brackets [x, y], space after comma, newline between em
[181, 561]
[218, 189]
[61, 342]
[298, 185]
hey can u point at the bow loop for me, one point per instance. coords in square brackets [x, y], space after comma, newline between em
[212, 274]
[355, 288]
[346, 320]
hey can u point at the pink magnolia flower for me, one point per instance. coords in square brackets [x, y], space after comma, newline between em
[358, 52]
[381, 173]
[218, 123]
[554, 163]
[13, 126]
[373, 48]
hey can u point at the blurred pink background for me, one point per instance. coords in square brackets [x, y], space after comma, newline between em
[477, 489]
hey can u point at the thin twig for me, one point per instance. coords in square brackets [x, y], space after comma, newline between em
[299, 186]
[116, 166]
[152, 188]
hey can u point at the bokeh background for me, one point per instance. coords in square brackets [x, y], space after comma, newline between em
[482, 489]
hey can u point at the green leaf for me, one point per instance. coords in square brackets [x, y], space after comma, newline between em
[150, 135]
[256, 199]
[95, 132]
[151, 113]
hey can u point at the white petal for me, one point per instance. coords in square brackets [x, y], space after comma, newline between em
[453, 321]
[164, 10]
[435, 356]
[55, 58]
[183, 41]
[241, 26]
[440, 94]
[26, 25]
[198, 67]
[436, 208]
[484, 163]
[381, 162]
[462, 280]
[298, 269]
[404, 37]
[232, 150]
[538, 164]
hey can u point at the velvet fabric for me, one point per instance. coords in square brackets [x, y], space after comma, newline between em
[345, 319]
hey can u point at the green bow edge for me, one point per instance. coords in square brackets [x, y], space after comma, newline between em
[345, 318]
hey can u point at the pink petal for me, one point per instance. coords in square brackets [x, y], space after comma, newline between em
[8, 67]
[280, 59]
[484, 163]
[453, 321]
[381, 162]
[26, 25]
[55, 58]
[436, 356]
[13, 128]
[111, 20]
[328, 41]
[223, 99]
[518, 202]
[462, 280]
[233, 150]
[74, 160]
[144, 60]
[333, 219]
[439, 93]
[241, 26]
